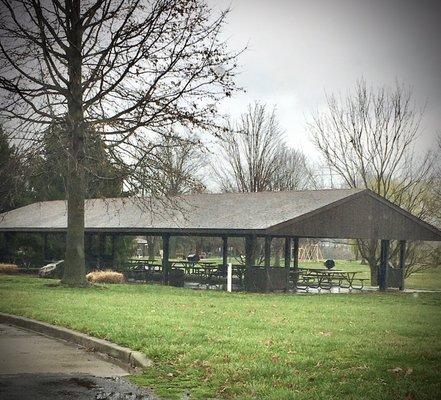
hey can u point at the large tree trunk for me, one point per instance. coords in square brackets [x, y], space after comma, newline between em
[368, 252]
[74, 270]
[374, 272]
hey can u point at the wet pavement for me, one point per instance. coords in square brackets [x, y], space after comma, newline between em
[69, 386]
[33, 366]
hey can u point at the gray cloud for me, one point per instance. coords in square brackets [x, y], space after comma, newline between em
[299, 49]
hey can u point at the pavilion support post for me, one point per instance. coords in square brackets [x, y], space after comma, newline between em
[268, 251]
[288, 248]
[402, 263]
[45, 247]
[224, 250]
[268, 285]
[88, 237]
[7, 250]
[114, 239]
[63, 239]
[165, 258]
[250, 254]
[295, 266]
[384, 259]
[4, 249]
[101, 245]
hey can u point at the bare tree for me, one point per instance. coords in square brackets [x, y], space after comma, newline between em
[177, 162]
[294, 171]
[437, 184]
[182, 162]
[129, 69]
[368, 139]
[255, 158]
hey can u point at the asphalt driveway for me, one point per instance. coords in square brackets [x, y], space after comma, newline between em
[37, 367]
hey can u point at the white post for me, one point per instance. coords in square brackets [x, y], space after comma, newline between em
[230, 277]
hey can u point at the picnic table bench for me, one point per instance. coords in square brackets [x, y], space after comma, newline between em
[325, 279]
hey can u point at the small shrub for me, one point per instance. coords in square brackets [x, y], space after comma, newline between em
[107, 276]
[9, 269]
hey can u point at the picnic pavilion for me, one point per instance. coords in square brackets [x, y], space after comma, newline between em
[291, 215]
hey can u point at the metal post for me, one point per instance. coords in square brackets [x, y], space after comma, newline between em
[224, 251]
[64, 241]
[101, 241]
[268, 262]
[267, 251]
[4, 249]
[288, 245]
[113, 250]
[88, 248]
[402, 262]
[165, 258]
[384, 258]
[250, 244]
[7, 253]
[45, 247]
[295, 266]
[230, 277]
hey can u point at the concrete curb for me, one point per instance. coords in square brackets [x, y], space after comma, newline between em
[124, 354]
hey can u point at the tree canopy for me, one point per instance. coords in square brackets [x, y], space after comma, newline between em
[129, 70]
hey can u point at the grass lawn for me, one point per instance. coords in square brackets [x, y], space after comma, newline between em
[246, 346]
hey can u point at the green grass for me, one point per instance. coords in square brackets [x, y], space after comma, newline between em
[255, 346]
[429, 279]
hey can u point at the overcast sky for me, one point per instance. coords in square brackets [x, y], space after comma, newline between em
[300, 49]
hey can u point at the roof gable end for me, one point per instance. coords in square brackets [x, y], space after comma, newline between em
[363, 215]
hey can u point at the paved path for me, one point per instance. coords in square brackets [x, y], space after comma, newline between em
[36, 367]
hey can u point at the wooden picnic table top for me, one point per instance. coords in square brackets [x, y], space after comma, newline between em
[329, 271]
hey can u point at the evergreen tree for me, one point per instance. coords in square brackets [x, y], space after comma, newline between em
[9, 174]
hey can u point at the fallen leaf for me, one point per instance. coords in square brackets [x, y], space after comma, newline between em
[396, 370]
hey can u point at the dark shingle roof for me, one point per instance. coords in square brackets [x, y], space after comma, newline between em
[229, 211]
[338, 213]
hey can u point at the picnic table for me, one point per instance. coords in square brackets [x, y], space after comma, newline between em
[194, 267]
[152, 270]
[329, 278]
[203, 272]
[142, 269]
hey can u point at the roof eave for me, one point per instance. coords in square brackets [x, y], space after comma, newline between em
[146, 231]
